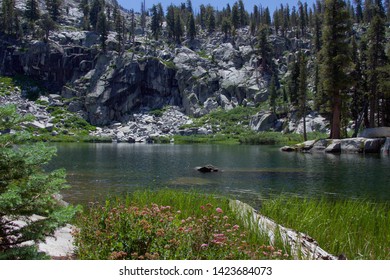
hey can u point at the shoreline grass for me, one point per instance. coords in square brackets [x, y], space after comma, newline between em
[358, 229]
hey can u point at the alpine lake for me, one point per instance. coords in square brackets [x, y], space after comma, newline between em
[248, 173]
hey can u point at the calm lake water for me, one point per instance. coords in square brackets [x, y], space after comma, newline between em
[249, 173]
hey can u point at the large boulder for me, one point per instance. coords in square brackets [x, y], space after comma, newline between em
[263, 121]
[377, 132]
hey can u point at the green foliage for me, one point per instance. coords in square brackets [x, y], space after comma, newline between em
[335, 60]
[32, 12]
[26, 189]
[102, 29]
[160, 225]
[357, 228]
[7, 85]
[54, 7]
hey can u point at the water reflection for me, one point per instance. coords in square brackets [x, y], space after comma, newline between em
[99, 170]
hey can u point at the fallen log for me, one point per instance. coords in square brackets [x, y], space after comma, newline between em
[302, 245]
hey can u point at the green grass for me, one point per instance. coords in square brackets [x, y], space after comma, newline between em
[359, 229]
[168, 224]
[206, 139]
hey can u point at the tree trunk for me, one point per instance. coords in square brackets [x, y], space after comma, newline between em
[336, 118]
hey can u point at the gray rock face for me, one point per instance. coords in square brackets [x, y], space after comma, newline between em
[263, 121]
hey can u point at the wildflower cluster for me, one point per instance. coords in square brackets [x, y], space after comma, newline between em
[161, 232]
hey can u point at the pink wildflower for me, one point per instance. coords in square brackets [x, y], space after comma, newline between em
[219, 210]
[236, 227]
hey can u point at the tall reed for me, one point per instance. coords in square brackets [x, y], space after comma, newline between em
[358, 229]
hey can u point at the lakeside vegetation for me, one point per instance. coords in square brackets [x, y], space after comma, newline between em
[170, 225]
[161, 225]
[358, 229]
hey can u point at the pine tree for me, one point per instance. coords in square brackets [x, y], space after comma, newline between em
[119, 23]
[359, 11]
[265, 50]
[47, 24]
[302, 18]
[26, 189]
[155, 23]
[143, 16]
[170, 18]
[293, 82]
[335, 60]
[202, 16]
[84, 6]
[191, 28]
[235, 16]
[376, 58]
[189, 7]
[96, 8]
[226, 27]
[178, 31]
[32, 13]
[210, 19]
[273, 93]
[132, 25]
[102, 29]
[54, 8]
[160, 13]
[243, 19]
[302, 90]
[9, 18]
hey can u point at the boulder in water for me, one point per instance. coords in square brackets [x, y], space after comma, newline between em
[207, 168]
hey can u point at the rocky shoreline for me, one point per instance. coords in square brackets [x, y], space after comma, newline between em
[369, 141]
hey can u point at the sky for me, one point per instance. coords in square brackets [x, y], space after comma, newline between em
[136, 4]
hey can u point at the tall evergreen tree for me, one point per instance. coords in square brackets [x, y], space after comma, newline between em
[191, 28]
[243, 19]
[170, 18]
[226, 27]
[335, 60]
[155, 23]
[26, 189]
[376, 58]
[235, 16]
[54, 7]
[293, 82]
[302, 90]
[102, 29]
[96, 7]
[178, 31]
[132, 25]
[273, 94]
[359, 11]
[210, 19]
[85, 8]
[143, 16]
[9, 20]
[32, 13]
[47, 24]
